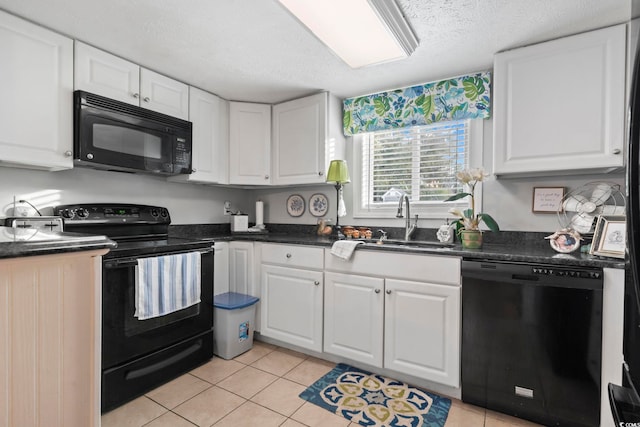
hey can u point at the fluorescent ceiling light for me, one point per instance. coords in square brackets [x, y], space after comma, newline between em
[361, 32]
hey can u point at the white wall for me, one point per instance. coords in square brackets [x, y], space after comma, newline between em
[507, 200]
[187, 203]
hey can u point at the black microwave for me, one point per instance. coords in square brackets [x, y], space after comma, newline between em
[114, 135]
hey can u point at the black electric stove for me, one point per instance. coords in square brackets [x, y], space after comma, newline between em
[139, 355]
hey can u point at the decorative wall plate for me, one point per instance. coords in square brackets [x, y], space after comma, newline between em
[318, 204]
[295, 205]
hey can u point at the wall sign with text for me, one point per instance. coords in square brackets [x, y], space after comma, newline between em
[547, 199]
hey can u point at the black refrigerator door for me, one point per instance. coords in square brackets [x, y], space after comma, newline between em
[625, 402]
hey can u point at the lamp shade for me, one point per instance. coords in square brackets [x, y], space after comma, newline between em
[338, 172]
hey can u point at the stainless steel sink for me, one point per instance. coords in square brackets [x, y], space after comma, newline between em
[411, 243]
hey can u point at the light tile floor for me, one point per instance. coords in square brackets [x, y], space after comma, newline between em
[258, 388]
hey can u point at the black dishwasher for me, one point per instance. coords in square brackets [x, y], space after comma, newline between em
[532, 340]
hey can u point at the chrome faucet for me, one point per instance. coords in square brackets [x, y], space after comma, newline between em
[408, 228]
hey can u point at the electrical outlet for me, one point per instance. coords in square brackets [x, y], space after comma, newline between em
[227, 207]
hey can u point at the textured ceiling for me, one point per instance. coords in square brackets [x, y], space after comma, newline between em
[253, 50]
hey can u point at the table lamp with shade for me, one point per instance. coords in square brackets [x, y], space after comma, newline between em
[339, 173]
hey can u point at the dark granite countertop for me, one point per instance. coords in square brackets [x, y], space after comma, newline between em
[19, 242]
[503, 246]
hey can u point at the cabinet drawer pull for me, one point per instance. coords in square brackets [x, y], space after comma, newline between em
[616, 151]
[266, 177]
[320, 173]
[68, 153]
[388, 291]
[146, 99]
[135, 95]
[317, 283]
[377, 291]
[288, 255]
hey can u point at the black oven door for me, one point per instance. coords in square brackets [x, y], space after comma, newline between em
[124, 337]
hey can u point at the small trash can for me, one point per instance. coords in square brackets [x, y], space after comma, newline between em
[233, 323]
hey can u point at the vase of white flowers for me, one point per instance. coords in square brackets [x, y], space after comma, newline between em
[468, 222]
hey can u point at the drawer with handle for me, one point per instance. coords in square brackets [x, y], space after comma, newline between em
[293, 255]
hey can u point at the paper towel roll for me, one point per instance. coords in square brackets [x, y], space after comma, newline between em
[259, 213]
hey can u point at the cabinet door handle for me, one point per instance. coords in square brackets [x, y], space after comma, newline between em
[266, 177]
[68, 153]
[320, 173]
[377, 291]
[317, 283]
[135, 95]
[288, 255]
[616, 151]
[146, 99]
[388, 291]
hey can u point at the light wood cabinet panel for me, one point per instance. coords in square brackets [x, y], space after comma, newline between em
[50, 330]
[36, 106]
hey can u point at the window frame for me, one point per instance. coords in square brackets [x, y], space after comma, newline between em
[430, 210]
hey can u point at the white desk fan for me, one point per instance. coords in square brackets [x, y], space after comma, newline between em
[580, 207]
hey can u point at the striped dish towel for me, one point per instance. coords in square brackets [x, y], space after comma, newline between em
[165, 284]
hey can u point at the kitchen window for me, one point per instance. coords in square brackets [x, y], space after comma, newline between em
[421, 161]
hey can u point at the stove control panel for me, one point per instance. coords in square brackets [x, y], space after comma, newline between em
[107, 213]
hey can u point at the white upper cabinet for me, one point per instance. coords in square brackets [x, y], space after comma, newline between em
[303, 144]
[105, 74]
[36, 106]
[102, 73]
[559, 106]
[164, 95]
[210, 152]
[249, 143]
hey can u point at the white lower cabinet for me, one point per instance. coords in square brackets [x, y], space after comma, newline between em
[241, 268]
[291, 299]
[220, 268]
[395, 311]
[354, 317]
[292, 306]
[422, 330]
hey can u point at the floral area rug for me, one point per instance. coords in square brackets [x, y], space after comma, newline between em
[373, 400]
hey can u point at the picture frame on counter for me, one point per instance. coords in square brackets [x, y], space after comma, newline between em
[547, 199]
[609, 238]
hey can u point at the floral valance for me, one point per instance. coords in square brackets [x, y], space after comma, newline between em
[467, 97]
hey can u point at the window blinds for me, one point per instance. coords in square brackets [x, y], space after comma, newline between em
[421, 161]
